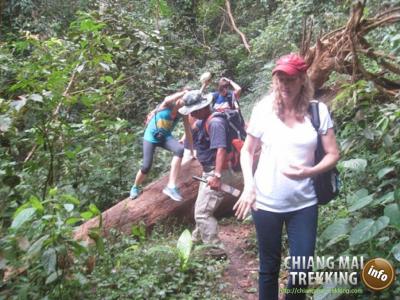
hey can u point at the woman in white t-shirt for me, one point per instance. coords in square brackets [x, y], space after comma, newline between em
[281, 190]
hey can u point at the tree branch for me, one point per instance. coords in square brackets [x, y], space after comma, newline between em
[229, 11]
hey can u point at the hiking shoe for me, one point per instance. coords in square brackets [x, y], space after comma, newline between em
[134, 193]
[173, 193]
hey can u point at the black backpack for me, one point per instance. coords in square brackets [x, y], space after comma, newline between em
[326, 184]
[235, 136]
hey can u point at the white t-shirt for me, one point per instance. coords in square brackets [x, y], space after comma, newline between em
[283, 146]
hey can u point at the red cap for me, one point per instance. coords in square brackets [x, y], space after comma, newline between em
[291, 64]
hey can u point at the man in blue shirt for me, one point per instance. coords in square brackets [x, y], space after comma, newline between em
[210, 144]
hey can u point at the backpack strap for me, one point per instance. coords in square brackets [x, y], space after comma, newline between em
[313, 109]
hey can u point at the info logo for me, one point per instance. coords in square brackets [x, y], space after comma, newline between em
[378, 274]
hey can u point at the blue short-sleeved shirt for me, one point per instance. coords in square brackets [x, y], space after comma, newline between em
[205, 144]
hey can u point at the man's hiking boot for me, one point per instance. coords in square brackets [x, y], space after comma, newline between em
[173, 193]
[134, 193]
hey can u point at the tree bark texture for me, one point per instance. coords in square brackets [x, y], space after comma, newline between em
[152, 206]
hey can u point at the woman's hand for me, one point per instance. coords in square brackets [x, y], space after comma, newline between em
[246, 202]
[298, 172]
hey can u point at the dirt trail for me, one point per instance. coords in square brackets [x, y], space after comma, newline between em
[242, 271]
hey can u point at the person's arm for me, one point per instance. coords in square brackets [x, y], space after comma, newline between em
[188, 133]
[236, 88]
[171, 99]
[328, 161]
[215, 181]
[247, 199]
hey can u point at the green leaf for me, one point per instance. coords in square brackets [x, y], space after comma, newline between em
[36, 97]
[396, 195]
[93, 208]
[184, 247]
[360, 203]
[383, 172]
[337, 228]
[49, 260]
[70, 199]
[356, 164]
[356, 195]
[35, 202]
[386, 198]
[393, 212]
[367, 229]
[37, 246]
[105, 66]
[87, 215]
[53, 192]
[22, 217]
[68, 207]
[53, 277]
[72, 220]
[396, 251]
[95, 235]
[107, 79]
[5, 123]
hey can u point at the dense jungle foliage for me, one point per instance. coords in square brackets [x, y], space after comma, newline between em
[77, 79]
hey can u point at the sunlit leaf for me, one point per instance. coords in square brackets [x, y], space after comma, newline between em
[36, 97]
[35, 202]
[69, 207]
[367, 229]
[396, 251]
[22, 217]
[383, 172]
[5, 123]
[184, 247]
[356, 164]
[361, 202]
[37, 246]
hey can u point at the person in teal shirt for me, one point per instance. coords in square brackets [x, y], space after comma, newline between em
[158, 133]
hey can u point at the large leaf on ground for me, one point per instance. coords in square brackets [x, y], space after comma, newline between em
[367, 229]
[361, 202]
[336, 231]
[352, 198]
[393, 212]
[396, 251]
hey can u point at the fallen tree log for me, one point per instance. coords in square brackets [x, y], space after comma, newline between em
[152, 206]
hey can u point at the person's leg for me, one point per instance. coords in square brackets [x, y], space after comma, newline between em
[302, 230]
[177, 149]
[269, 236]
[207, 202]
[148, 154]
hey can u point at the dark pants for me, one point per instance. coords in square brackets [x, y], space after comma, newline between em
[301, 228]
[148, 152]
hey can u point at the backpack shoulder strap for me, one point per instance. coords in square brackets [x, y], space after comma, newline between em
[313, 109]
[230, 99]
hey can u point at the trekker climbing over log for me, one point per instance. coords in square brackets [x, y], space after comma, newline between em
[281, 191]
[158, 133]
[212, 144]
